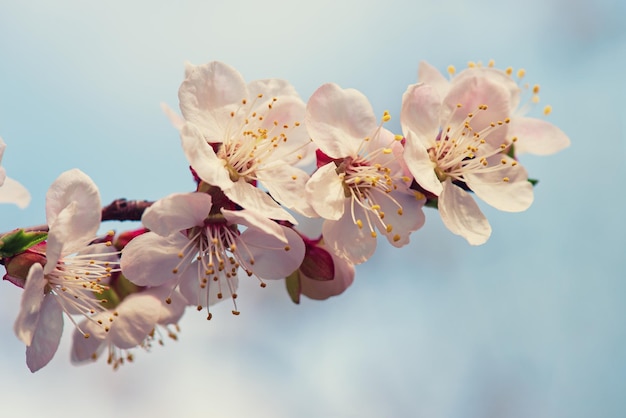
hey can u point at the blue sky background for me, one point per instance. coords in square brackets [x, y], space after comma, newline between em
[530, 324]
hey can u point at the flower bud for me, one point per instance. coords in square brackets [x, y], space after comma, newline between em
[18, 266]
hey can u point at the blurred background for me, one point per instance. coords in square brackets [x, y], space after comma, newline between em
[531, 324]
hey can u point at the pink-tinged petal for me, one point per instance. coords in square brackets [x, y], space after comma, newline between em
[177, 212]
[253, 198]
[270, 88]
[323, 289]
[64, 237]
[289, 112]
[346, 239]
[401, 222]
[461, 215]
[137, 316]
[256, 220]
[324, 191]
[212, 293]
[177, 121]
[536, 136]
[339, 119]
[3, 146]
[428, 74]
[419, 164]
[506, 189]
[203, 159]
[209, 94]
[85, 349]
[70, 186]
[287, 184]
[169, 313]
[30, 307]
[495, 76]
[471, 92]
[273, 259]
[12, 191]
[47, 334]
[420, 114]
[150, 259]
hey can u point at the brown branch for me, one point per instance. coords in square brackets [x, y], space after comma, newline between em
[125, 210]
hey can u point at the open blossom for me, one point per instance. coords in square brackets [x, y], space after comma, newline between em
[363, 188]
[238, 135]
[142, 318]
[73, 272]
[10, 190]
[532, 135]
[202, 249]
[458, 142]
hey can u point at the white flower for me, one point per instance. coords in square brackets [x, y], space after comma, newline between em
[364, 188]
[532, 135]
[201, 249]
[74, 271]
[140, 319]
[238, 135]
[457, 143]
[10, 190]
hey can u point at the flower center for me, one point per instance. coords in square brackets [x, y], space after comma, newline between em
[460, 150]
[369, 179]
[255, 136]
[81, 281]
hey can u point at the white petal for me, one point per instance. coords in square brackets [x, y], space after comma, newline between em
[177, 121]
[47, 335]
[177, 212]
[256, 220]
[461, 215]
[203, 159]
[169, 313]
[324, 192]
[272, 258]
[12, 191]
[83, 348]
[428, 74]
[70, 186]
[149, 259]
[346, 239]
[514, 195]
[197, 296]
[410, 219]
[138, 314]
[287, 111]
[536, 136]
[339, 119]
[471, 92]
[420, 114]
[30, 307]
[419, 164]
[287, 184]
[270, 88]
[253, 198]
[208, 95]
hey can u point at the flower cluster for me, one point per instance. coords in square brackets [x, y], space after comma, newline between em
[264, 162]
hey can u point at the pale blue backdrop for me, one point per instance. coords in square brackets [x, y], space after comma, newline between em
[532, 324]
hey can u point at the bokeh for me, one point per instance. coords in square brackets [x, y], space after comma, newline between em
[531, 324]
